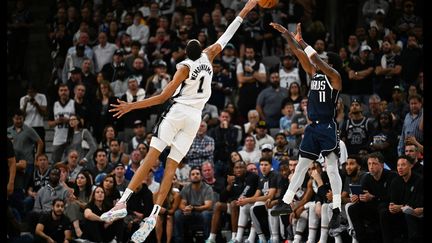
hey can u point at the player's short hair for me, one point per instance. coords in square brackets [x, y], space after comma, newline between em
[335, 60]
[193, 49]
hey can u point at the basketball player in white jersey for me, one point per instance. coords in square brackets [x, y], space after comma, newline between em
[189, 90]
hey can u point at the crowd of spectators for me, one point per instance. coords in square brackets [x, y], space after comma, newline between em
[247, 146]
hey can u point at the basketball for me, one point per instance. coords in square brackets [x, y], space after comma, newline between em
[267, 3]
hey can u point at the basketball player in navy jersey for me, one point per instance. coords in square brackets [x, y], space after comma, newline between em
[189, 90]
[321, 134]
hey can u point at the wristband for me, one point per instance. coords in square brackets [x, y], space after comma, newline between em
[309, 51]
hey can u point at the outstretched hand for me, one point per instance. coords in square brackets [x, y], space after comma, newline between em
[298, 35]
[121, 108]
[279, 27]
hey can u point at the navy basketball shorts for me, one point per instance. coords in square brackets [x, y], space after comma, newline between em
[319, 138]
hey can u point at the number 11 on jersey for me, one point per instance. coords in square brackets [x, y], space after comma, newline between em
[321, 96]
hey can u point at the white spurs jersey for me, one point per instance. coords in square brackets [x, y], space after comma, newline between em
[195, 91]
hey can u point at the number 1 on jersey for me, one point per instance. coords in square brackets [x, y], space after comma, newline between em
[321, 96]
[200, 89]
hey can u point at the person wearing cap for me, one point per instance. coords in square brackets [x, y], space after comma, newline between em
[357, 129]
[117, 64]
[269, 101]
[387, 71]
[159, 80]
[288, 72]
[361, 75]
[139, 136]
[398, 106]
[370, 7]
[261, 136]
[267, 152]
[119, 171]
[229, 61]
[74, 60]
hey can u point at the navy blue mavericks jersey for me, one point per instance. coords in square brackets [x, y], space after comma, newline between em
[322, 99]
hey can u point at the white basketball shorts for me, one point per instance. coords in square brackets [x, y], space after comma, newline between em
[177, 127]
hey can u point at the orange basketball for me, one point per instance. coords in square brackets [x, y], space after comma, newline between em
[267, 3]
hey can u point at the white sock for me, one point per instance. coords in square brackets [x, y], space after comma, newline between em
[233, 235]
[239, 236]
[337, 202]
[156, 209]
[262, 238]
[252, 234]
[212, 236]
[126, 195]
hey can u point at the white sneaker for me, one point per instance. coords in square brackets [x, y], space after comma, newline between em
[147, 226]
[117, 212]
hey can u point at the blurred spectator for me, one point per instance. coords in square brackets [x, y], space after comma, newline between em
[25, 141]
[408, 20]
[411, 122]
[250, 153]
[374, 110]
[412, 151]
[251, 76]
[288, 72]
[299, 121]
[34, 108]
[294, 95]
[101, 165]
[139, 132]
[384, 139]
[195, 206]
[361, 76]
[261, 135]
[39, 178]
[253, 119]
[388, 69]
[398, 107]
[138, 31]
[411, 61]
[102, 116]
[225, 138]
[103, 52]
[83, 44]
[356, 130]
[55, 226]
[19, 23]
[112, 194]
[370, 6]
[134, 163]
[114, 155]
[269, 101]
[157, 82]
[81, 140]
[94, 229]
[222, 85]
[83, 108]
[111, 69]
[120, 179]
[73, 165]
[202, 148]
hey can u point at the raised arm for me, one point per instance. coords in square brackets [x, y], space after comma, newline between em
[296, 48]
[334, 76]
[124, 107]
[217, 47]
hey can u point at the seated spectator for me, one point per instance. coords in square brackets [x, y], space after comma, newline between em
[405, 211]
[109, 133]
[112, 194]
[95, 229]
[208, 176]
[182, 173]
[195, 206]
[39, 179]
[120, 179]
[253, 119]
[166, 214]
[100, 164]
[81, 196]
[73, 166]
[102, 117]
[115, 156]
[250, 153]
[54, 226]
[202, 147]
[139, 131]
[134, 163]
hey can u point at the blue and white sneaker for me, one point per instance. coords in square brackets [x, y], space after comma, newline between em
[147, 226]
[117, 212]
